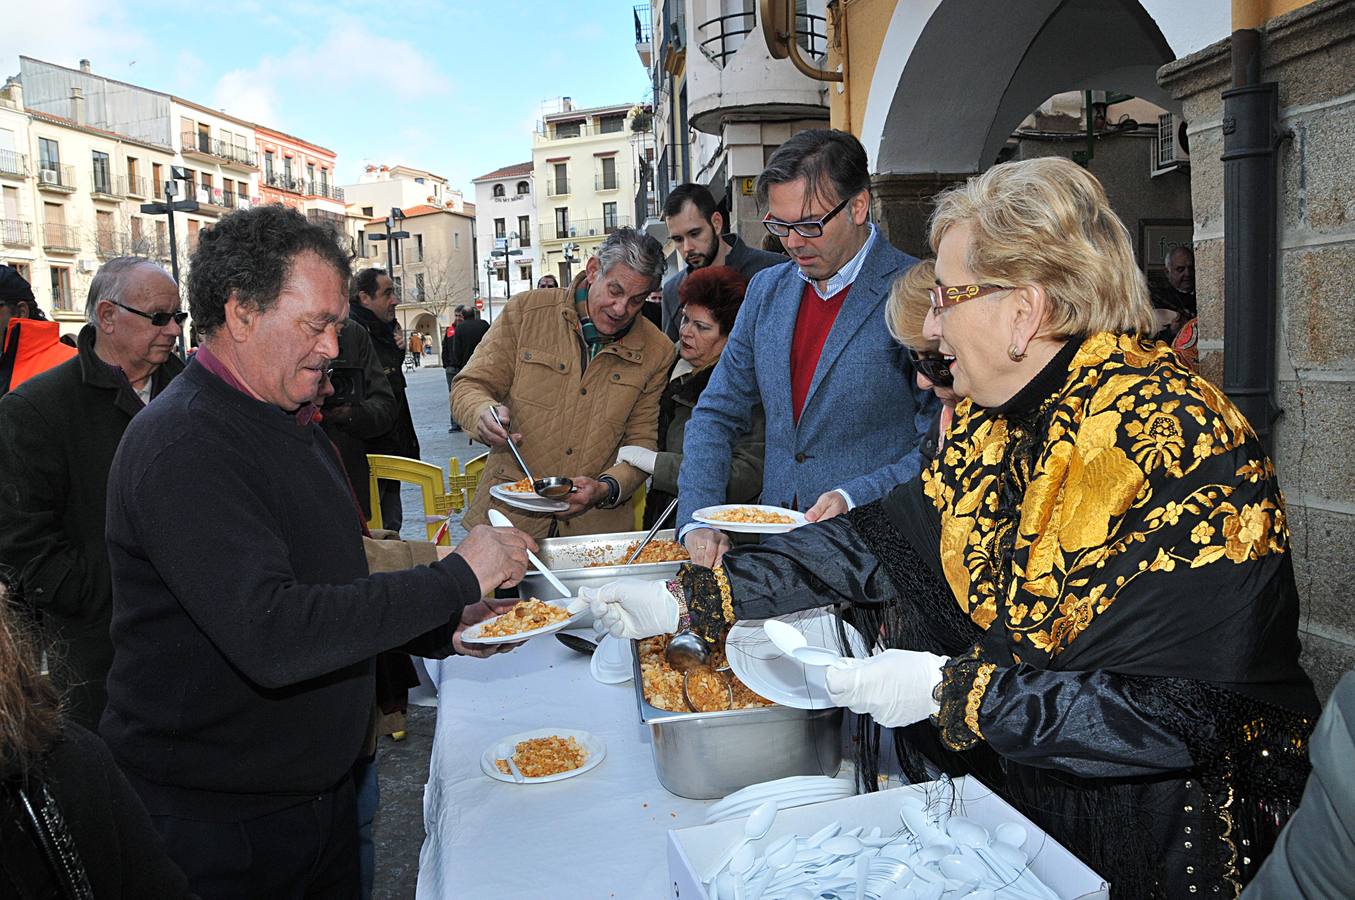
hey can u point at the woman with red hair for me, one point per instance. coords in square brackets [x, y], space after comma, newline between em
[709, 301]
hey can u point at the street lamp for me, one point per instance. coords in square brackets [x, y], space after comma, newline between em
[169, 208]
[393, 237]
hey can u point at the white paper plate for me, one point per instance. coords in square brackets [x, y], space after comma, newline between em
[528, 502]
[704, 516]
[757, 662]
[472, 634]
[503, 748]
[611, 661]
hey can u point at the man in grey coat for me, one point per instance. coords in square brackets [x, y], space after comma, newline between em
[694, 227]
[844, 414]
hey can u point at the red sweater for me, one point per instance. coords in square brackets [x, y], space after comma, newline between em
[812, 324]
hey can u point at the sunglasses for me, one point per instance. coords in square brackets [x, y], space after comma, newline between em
[160, 319]
[943, 296]
[933, 366]
[810, 228]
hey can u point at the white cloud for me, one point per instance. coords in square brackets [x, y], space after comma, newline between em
[66, 31]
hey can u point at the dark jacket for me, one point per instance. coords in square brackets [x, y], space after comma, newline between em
[401, 439]
[468, 336]
[748, 261]
[353, 429]
[675, 410]
[118, 848]
[447, 343]
[58, 434]
[244, 619]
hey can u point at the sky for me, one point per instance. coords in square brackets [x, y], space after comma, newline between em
[450, 86]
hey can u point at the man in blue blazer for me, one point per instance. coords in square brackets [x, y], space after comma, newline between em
[844, 414]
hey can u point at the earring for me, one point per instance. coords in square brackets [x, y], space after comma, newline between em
[1015, 357]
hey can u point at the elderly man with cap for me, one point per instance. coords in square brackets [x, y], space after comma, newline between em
[28, 343]
[58, 433]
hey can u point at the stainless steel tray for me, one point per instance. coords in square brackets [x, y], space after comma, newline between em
[568, 558]
[708, 755]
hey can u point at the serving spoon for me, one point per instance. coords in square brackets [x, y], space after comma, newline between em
[499, 520]
[554, 488]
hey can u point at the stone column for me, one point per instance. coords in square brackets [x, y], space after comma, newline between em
[902, 204]
[1310, 52]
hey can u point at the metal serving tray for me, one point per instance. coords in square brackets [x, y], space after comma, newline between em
[708, 755]
[568, 558]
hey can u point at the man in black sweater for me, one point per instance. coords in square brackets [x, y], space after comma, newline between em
[244, 618]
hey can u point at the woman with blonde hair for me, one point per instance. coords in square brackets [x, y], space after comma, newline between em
[1090, 585]
[906, 316]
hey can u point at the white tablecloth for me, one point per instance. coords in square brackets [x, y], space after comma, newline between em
[602, 834]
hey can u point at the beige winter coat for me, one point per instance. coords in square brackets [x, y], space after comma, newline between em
[572, 420]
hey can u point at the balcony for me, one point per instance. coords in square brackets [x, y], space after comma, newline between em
[137, 187]
[583, 228]
[325, 217]
[557, 187]
[212, 201]
[107, 187]
[13, 165]
[56, 177]
[203, 146]
[110, 244]
[644, 46]
[285, 183]
[16, 233]
[322, 189]
[59, 238]
[606, 182]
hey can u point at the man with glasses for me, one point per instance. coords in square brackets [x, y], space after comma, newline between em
[694, 226]
[843, 414]
[58, 433]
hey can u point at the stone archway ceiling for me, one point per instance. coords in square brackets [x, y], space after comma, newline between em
[965, 88]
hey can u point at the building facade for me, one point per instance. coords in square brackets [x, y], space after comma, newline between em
[299, 174]
[505, 218]
[588, 166]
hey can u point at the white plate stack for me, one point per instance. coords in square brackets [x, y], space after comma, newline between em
[798, 790]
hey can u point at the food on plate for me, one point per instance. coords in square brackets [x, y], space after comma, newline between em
[528, 615]
[521, 486]
[747, 515]
[708, 689]
[543, 756]
[655, 552]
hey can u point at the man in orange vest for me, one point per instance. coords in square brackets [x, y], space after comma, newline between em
[29, 344]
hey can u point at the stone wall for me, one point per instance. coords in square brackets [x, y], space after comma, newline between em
[1311, 54]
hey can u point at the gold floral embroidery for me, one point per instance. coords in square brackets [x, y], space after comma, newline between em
[726, 598]
[975, 698]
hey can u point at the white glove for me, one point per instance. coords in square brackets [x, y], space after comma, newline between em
[894, 687]
[631, 607]
[638, 457]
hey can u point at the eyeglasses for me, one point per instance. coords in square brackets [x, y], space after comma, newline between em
[933, 366]
[810, 228]
[943, 296]
[160, 319]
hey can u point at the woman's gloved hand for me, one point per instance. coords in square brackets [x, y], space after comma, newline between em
[639, 457]
[894, 687]
[631, 607]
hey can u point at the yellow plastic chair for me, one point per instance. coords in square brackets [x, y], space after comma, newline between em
[464, 483]
[432, 482]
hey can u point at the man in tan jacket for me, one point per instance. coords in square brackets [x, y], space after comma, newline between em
[575, 373]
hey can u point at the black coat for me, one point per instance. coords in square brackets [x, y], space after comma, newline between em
[353, 429]
[468, 336]
[401, 440]
[58, 433]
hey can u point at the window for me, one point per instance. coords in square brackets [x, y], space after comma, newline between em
[367, 211]
[498, 190]
[157, 174]
[563, 277]
[608, 174]
[207, 183]
[49, 154]
[418, 286]
[562, 222]
[500, 228]
[102, 175]
[611, 124]
[204, 138]
[61, 287]
[242, 192]
[501, 273]
[456, 240]
[362, 243]
[525, 272]
[608, 217]
[324, 181]
[268, 167]
[568, 129]
[310, 178]
[194, 226]
[190, 184]
[418, 181]
[161, 239]
[524, 231]
[524, 188]
[103, 227]
[54, 225]
[132, 173]
[138, 235]
[287, 171]
[25, 271]
[561, 178]
[418, 250]
[10, 196]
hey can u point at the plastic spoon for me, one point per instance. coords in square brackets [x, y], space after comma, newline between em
[790, 641]
[757, 825]
[499, 520]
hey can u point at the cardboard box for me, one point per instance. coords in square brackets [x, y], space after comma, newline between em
[691, 851]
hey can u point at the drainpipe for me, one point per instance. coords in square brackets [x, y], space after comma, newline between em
[1251, 135]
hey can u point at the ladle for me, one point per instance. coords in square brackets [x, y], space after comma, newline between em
[790, 641]
[499, 520]
[553, 488]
